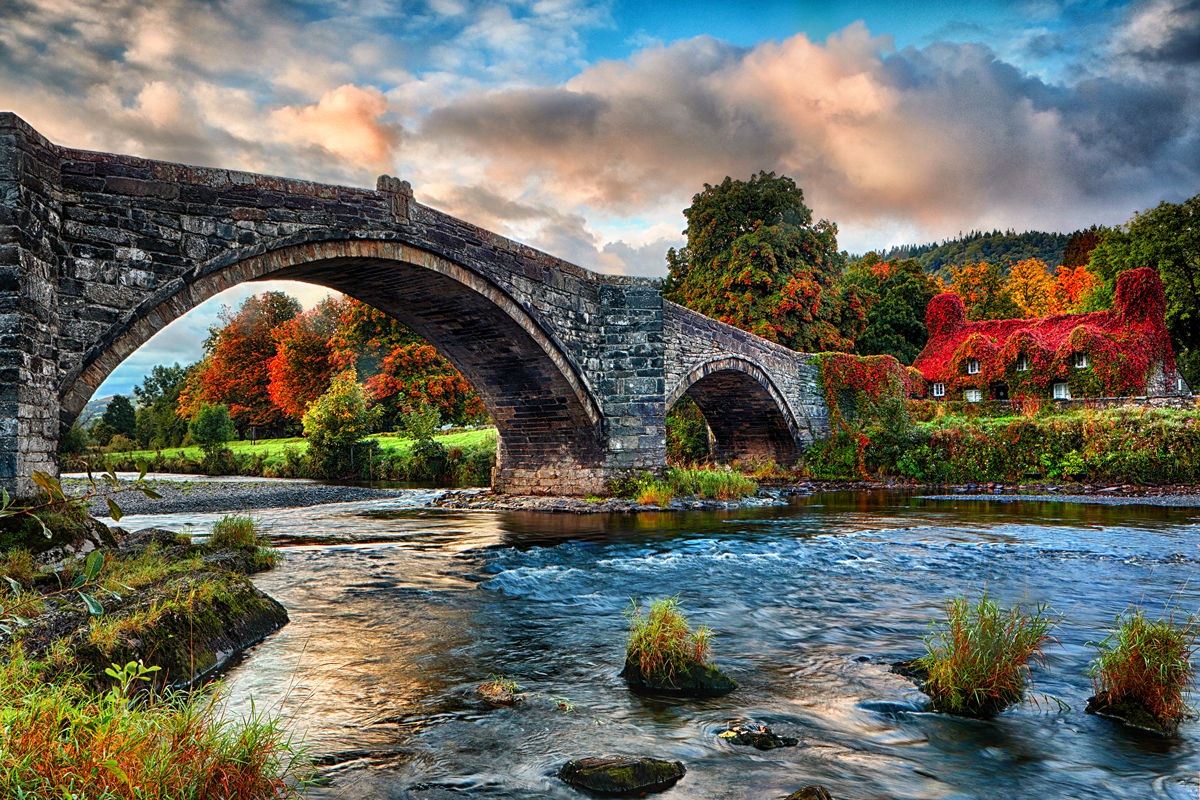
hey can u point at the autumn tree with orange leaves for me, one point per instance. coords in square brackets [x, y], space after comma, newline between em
[404, 370]
[304, 360]
[756, 259]
[235, 370]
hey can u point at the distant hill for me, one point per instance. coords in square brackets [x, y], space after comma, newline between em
[94, 409]
[998, 247]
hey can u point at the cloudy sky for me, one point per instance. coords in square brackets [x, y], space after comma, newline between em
[584, 127]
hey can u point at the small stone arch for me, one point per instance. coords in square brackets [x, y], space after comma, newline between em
[748, 417]
[543, 408]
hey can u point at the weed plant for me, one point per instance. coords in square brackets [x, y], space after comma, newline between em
[661, 643]
[62, 740]
[1147, 663]
[711, 483]
[978, 659]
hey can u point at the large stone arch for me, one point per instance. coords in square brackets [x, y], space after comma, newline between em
[747, 415]
[543, 408]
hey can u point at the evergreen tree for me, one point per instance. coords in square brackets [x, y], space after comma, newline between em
[120, 417]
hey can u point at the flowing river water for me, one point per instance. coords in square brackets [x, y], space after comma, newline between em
[398, 612]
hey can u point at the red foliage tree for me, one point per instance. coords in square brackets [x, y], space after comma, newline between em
[235, 369]
[303, 363]
[405, 370]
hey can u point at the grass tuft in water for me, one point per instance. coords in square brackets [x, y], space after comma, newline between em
[661, 643]
[1147, 663]
[242, 532]
[978, 659]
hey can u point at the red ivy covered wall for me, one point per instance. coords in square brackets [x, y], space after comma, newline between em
[1121, 345]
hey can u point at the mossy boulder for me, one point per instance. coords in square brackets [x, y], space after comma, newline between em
[621, 776]
[811, 793]
[760, 737]
[1130, 713]
[698, 680]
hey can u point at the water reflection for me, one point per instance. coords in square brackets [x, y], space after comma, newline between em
[399, 612]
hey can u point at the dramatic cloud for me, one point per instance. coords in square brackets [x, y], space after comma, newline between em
[491, 111]
[948, 137]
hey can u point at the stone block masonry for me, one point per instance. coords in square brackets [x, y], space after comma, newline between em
[99, 251]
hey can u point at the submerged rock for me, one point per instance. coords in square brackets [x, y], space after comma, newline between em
[699, 680]
[911, 669]
[621, 775]
[500, 693]
[1131, 713]
[758, 736]
[811, 793]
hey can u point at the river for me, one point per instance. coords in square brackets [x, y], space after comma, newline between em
[398, 612]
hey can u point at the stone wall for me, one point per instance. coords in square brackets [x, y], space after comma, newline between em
[29, 251]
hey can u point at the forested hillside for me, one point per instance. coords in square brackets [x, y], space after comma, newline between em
[997, 247]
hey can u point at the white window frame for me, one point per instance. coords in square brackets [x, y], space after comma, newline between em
[1022, 362]
[1061, 391]
[973, 395]
[972, 366]
[939, 390]
[1081, 361]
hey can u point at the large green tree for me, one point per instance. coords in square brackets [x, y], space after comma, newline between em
[755, 259]
[120, 417]
[158, 425]
[1167, 239]
[894, 295]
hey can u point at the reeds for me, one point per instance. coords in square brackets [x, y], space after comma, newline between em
[661, 643]
[978, 659]
[1147, 663]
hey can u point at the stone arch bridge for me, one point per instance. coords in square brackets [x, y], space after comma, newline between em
[100, 251]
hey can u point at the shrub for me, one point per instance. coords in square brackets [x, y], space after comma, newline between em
[336, 425]
[661, 643]
[60, 736]
[710, 483]
[211, 428]
[1147, 663]
[687, 433]
[978, 660]
[241, 532]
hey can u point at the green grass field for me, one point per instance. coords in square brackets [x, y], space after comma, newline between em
[274, 449]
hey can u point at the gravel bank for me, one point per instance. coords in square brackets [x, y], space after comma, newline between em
[205, 497]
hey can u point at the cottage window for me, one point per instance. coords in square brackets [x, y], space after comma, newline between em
[1062, 391]
[939, 390]
[973, 395]
[1179, 383]
[1081, 360]
[973, 366]
[1022, 363]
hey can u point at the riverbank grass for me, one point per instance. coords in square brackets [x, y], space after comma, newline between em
[708, 483]
[978, 658]
[60, 737]
[1145, 666]
[661, 642]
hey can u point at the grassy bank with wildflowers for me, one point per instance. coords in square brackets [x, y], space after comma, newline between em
[954, 443]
